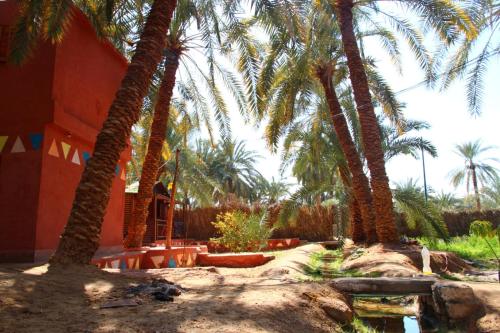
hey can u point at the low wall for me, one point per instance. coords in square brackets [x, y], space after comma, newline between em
[150, 258]
[272, 244]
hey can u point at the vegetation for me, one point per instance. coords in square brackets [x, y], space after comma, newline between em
[471, 247]
[240, 231]
[319, 266]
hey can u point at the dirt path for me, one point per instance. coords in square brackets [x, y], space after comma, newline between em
[269, 298]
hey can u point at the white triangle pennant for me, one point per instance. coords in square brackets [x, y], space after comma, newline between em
[18, 146]
[76, 157]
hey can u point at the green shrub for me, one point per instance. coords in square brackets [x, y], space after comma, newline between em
[240, 231]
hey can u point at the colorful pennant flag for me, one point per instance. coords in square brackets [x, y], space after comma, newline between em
[18, 146]
[36, 140]
[86, 156]
[53, 149]
[122, 176]
[117, 170]
[3, 140]
[65, 147]
[76, 157]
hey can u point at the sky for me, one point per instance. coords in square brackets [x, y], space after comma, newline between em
[445, 111]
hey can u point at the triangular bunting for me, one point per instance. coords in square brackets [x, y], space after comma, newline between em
[86, 156]
[65, 147]
[288, 241]
[117, 170]
[36, 140]
[76, 157]
[123, 264]
[157, 261]
[122, 176]
[130, 262]
[172, 263]
[53, 149]
[3, 140]
[137, 263]
[115, 263]
[18, 146]
[189, 261]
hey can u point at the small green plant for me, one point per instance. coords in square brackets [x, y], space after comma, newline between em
[240, 231]
[485, 230]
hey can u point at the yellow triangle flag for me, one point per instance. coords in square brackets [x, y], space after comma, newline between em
[65, 147]
[3, 140]
[53, 149]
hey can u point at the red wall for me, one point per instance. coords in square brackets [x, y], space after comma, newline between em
[63, 93]
[25, 107]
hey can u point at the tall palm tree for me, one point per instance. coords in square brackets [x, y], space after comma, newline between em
[382, 196]
[476, 168]
[80, 238]
[312, 70]
[233, 165]
[178, 44]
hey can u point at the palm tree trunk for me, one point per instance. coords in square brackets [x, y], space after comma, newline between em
[81, 236]
[382, 196]
[171, 207]
[355, 218]
[360, 184]
[476, 188]
[137, 226]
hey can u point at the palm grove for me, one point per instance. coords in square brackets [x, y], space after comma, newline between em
[300, 66]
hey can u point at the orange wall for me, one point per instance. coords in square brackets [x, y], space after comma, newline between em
[64, 93]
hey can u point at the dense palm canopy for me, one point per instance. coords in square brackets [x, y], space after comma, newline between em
[477, 169]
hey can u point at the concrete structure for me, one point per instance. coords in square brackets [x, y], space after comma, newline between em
[51, 110]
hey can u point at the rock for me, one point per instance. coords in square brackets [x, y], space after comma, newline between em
[336, 309]
[456, 302]
[334, 304]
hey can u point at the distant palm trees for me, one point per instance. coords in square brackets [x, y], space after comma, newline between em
[476, 169]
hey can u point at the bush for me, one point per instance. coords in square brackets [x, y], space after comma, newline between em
[240, 231]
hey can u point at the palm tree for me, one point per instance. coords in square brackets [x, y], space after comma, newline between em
[233, 165]
[446, 201]
[382, 196]
[178, 43]
[312, 70]
[491, 194]
[485, 43]
[476, 168]
[426, 216]
[270, 192]
[80, 238]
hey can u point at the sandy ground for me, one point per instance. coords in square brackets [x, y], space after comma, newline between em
[269, 298]
[275, 297]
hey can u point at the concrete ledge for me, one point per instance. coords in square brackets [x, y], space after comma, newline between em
[385, 286]
[234, 260]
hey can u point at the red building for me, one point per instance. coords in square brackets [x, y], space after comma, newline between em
[51, 110]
